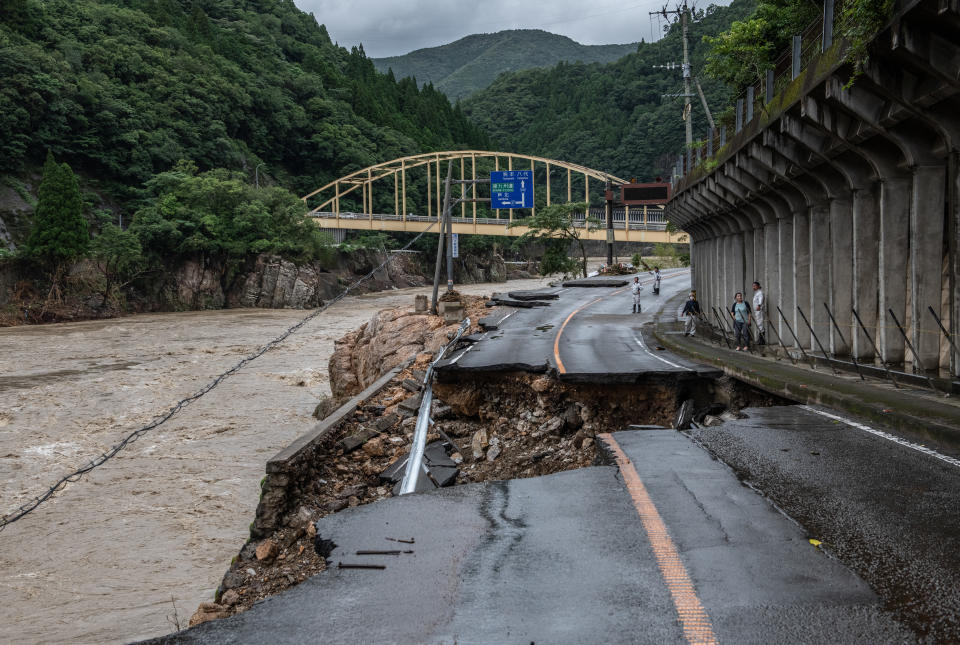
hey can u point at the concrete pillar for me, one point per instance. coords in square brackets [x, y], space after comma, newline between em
[926, 261]
[820, 258]
[865, 236]
[894, 245]
[841, 279]
[785, 275]
[802, 270]
[771, 273]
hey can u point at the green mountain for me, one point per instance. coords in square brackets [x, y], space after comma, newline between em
[461, 68]
[124, 89]
[614, 116]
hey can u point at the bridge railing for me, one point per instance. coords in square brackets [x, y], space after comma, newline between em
[654, 220]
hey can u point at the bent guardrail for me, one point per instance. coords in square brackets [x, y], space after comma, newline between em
[415, 460]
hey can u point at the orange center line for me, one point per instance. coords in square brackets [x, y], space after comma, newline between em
[694, 621]
[556, 341]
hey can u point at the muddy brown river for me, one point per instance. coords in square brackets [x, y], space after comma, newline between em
[129, 551]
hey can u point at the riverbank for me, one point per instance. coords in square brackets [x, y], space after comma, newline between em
[111, 557]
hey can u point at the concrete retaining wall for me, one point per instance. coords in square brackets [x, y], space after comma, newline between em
[293, 468]
[848, 196]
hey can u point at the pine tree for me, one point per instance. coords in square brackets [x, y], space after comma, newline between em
[59, 234]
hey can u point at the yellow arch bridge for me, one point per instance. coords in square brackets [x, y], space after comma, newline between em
[406, 194]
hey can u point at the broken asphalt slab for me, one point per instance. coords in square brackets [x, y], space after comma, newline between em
[565, 558]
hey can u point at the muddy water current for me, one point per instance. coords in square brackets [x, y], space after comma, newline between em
[131, 549]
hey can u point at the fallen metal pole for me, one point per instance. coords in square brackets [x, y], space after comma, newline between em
[415, 461]
[723, 329]
[842, 340]
[876, 350]
[916, 356]
[773, 328]
[795, 339]
[956, 352]
[819, 344]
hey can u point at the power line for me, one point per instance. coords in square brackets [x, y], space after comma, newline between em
[32, 505]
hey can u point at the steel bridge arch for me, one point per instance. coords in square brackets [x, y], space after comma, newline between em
[331, 193]
[636, 224]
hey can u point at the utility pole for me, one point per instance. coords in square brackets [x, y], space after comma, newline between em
[609, 214]
[684, 14]
[441, 220]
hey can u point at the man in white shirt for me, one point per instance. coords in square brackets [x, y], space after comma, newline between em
[635, 289]
[759, 304]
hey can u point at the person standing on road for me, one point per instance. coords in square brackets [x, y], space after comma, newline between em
[691, 309]
[635, 289]
[656, 281]
[740, 313]
[759, 304]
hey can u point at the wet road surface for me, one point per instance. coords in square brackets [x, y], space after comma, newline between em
[585, 335]
[890, 512]
[567, 558]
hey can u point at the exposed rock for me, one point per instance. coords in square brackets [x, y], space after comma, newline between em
[208, 611]
[478, 443]
[541, 384]
[374, 447]
[232, 580]
[230, 598]
[494, 451]
[385, 422]
[550, 426]
[354, 441]
[410, 385]
[267, 551]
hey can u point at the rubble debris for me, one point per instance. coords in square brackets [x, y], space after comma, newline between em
[711, 421]
[534, 295]
[410, 385]
[208, 611]
[351, 443]
[267, 551]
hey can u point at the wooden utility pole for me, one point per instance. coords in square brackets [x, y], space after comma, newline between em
[609, 213]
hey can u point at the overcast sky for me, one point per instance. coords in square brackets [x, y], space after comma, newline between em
[395, 27]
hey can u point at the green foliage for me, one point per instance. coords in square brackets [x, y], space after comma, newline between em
[741, 55]
[555, 258]
[59, 232]
[613, 116]
[636, 259]
[118, 256]
[122, 89]
[217, 216]
[861, 20]
[556, 222]
[368, 241]
[460, 68]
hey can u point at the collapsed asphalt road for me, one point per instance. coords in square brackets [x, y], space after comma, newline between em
[567, 558]
[660, 543]
[586, 334]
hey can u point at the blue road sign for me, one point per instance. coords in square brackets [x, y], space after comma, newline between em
[511, 189]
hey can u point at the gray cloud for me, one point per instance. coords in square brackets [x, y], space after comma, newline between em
[395, 27]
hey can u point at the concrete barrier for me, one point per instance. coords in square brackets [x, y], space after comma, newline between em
[292, 469]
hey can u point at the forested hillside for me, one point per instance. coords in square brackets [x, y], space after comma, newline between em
[612, 117]
[460, 68]
[123, 89]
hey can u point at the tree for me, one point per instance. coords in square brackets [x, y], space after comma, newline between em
[59, 232]
[118, 256]
[556, 222]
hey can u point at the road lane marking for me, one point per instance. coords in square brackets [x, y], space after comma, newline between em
[500, 322]
[884, 435]
[659, 358]
[462, 354]
[556, 341]
[694, 621]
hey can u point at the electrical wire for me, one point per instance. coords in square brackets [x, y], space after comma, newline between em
[32, 505]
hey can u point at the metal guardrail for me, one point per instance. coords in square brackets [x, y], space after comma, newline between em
[415, 461]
